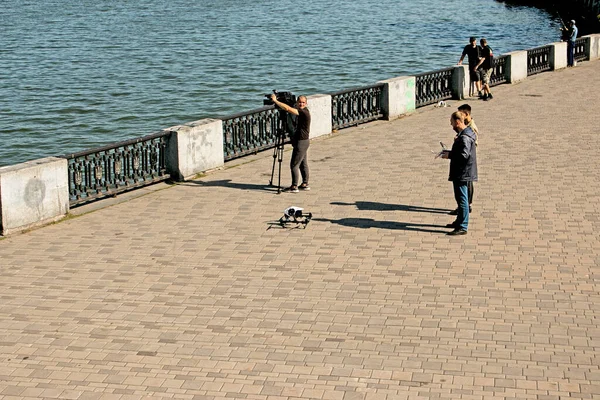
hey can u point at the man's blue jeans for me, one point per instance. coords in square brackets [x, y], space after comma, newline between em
[570, 53]
[461, 194]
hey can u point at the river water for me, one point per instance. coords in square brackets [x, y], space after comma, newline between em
[77, 74]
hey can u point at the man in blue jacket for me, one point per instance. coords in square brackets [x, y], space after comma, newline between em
[463, 169]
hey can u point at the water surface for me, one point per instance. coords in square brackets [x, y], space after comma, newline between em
[80, 74]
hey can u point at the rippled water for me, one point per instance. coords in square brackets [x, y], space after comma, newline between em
[79, 74]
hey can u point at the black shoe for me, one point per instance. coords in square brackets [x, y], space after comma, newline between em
[490, 96]
[485, 97]
[457, 232]
[454, 212]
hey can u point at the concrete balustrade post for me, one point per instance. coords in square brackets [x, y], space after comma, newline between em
[195, 147]
[33, 193]
[460, 82]
[516, 66]
[592, 48]
[320, 115]
[558, 55]
[399, 96]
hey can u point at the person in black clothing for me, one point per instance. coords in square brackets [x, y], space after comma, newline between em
[485, 68]
[472, 51]
[300, 143]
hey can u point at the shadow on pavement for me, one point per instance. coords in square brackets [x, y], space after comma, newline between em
[227, 183]
[366, 223]
[373, 206]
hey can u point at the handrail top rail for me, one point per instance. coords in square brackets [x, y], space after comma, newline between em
[354, 89]
[249, 112]
[546, 47]
[437, 70]
[115, 145]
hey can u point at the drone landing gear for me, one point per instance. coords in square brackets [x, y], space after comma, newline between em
[295, 215]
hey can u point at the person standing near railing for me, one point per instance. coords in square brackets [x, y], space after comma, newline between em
[571, 44]
[300, 143]
[486, 67]
[472, 52]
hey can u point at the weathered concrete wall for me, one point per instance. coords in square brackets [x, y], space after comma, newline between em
[195, 147]
[516, 66]
[460, 82]
[320, 115]
[33, 193]
[558, 55]
[593, 46]
[399, 96]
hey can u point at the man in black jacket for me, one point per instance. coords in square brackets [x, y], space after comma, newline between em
[463, 169]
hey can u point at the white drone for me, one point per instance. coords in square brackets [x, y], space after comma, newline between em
[295, 215]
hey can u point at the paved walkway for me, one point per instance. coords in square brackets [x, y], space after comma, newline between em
[185, 293]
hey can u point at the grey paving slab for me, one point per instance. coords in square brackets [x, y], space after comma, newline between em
[186, 293]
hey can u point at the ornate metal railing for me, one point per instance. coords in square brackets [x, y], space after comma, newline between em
[356, 106]
[117, 167]
[434, 86]
[538, 60]
[499, 74]
[580, 54]
[249, 132]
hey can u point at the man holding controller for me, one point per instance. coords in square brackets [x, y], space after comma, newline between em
[463, 169]
[300, 143]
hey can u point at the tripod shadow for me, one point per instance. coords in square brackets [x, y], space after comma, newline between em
[366, 223]
[374, 206]
[232, 185]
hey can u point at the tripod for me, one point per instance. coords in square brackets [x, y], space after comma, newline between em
[278, 156]
[283, 126]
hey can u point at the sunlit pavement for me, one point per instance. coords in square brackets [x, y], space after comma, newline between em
[192, 293]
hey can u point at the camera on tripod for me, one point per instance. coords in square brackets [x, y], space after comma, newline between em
[285, 97]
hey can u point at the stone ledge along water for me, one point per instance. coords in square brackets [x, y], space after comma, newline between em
[78, 75]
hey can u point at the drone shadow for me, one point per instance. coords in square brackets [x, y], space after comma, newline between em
[374, 206]
[366, 223]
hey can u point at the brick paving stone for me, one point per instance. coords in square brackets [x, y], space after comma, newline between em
[186, 292]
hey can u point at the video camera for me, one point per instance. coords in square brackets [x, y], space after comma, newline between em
[285, 97]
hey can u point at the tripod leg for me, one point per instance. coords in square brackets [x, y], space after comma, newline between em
[275, 155]
[280, 161]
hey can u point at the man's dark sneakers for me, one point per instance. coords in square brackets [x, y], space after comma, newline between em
[485, 97]
[490, 96]
[457, 232]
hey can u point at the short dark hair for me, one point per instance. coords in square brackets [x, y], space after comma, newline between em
[472, 39]
[465, 107]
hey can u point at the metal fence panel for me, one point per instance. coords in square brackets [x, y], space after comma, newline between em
[106, 171]
[580, 53]
[499, 74]
[434, 86]
[250, 132]
[356, 106]
[538, 60]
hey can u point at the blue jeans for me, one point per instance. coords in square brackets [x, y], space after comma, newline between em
[570, 53]
[461, 194]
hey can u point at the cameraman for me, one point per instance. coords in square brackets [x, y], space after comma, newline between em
[300, 142]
